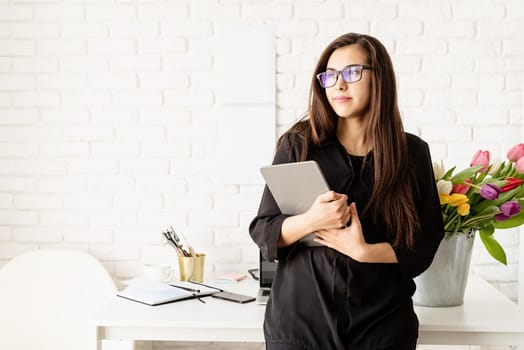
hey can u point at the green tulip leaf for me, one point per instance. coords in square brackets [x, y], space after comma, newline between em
[448, 173]
[461, 176]
[518, 191]
[515, 221]
[500, 169]
[514, 193]
[488, 211]
[493, 247]
[488, 230]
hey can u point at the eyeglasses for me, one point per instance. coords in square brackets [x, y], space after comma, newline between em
[350, 74]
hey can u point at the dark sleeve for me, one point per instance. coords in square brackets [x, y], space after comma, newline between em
[266, 226]
[426, 242]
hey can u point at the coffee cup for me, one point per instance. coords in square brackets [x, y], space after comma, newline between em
[158, 272]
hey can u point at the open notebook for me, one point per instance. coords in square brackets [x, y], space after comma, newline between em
[156, 293]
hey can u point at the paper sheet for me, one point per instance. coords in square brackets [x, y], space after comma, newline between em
[245, 64]
[246, 142]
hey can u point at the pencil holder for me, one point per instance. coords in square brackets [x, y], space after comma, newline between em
[191, 267]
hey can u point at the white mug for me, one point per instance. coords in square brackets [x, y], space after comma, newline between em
[158, 272]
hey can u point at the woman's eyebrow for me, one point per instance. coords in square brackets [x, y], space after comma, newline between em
[347, 65]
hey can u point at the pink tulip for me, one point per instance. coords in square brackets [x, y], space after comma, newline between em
[516, 152]
[519, 165]
[481, 158]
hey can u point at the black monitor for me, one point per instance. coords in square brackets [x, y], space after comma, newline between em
[267, 271]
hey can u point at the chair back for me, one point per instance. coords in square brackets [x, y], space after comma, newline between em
[47, 298]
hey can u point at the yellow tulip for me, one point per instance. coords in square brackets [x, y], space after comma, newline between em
[463, 209]
[457, 199]
[444, 198]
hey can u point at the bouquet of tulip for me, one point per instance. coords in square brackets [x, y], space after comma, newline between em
[484, 197]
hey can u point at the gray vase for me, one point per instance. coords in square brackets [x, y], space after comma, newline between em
[444, 282]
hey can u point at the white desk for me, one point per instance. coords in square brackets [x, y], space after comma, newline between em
[486, 318]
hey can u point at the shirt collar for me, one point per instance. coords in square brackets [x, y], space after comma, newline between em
[333, 140]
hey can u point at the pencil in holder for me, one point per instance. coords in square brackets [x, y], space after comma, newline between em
[191, 267]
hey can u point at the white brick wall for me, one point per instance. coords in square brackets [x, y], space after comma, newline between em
[108, 124]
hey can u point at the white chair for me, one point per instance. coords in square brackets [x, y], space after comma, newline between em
[47, 297]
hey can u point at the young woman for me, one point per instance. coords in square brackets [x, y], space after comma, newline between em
[378, 227]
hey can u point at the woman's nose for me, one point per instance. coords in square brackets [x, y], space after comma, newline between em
[341, 84]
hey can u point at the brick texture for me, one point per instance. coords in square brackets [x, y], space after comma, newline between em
[108, 119]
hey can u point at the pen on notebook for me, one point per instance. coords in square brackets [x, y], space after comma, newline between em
[200, 299]
[188, 289]
[207, 285]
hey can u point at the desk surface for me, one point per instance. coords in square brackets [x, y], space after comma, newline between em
[486, 318]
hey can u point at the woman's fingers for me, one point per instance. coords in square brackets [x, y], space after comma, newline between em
[354, 213]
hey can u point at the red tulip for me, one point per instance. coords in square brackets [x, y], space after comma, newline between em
[462, 188]
[516, 152]
[481, 158]
[511, 183]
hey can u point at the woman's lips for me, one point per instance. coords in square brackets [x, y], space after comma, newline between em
[342, 99]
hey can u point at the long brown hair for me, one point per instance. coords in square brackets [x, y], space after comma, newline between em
[392, 196]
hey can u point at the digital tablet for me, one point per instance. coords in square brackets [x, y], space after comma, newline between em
[295, 186]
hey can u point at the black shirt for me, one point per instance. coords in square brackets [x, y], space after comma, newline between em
[322, 299]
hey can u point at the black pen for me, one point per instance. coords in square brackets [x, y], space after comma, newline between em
[190, 290]
[187, 288]
[200, 299]
[206, 285]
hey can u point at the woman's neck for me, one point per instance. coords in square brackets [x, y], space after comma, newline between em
[351, 134]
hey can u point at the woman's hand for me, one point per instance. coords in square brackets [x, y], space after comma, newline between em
[351, 242]
[329, 211]
[348, 240]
